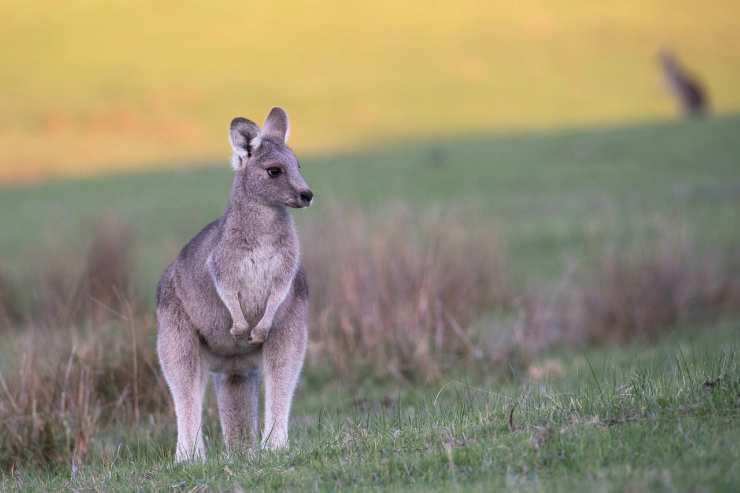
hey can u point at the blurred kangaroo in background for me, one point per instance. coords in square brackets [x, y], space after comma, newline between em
[685, 88]
[235, 301]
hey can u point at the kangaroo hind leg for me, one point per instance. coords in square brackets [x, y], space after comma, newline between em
[179, 353]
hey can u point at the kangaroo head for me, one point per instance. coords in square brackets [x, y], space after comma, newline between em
[667, 59]
[266, 169]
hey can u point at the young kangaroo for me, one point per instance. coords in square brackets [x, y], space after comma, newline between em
[235, 301]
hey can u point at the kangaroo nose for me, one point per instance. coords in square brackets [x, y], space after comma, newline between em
[307, 196]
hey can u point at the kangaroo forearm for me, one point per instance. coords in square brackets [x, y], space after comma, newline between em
[228, 294]
[231, 301]
[276, 298]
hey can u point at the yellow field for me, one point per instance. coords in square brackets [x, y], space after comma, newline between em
[93, 86]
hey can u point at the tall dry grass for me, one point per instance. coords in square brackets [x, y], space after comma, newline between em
[69, 381]
[10, 312]
[82, 356]
[635, 293]
[398, 295]
[91, 286]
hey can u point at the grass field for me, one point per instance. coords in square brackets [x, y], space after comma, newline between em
[635, 419]
[639, 417]
[126, 84]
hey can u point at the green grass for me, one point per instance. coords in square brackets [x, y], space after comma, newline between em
[128, 83]
[664, 419]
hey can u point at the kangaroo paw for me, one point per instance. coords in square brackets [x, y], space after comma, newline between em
[257, 336]
[238, 330]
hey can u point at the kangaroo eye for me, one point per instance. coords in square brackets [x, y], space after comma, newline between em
[274, 172]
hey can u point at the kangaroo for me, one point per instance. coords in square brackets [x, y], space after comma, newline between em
[685, 88]
[234, 303]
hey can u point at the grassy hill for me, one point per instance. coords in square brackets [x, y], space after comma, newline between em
[91, 86]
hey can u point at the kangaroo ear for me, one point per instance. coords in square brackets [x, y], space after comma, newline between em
[276, 124]
[244, 136]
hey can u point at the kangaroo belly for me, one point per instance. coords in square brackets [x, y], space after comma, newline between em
[223, 354]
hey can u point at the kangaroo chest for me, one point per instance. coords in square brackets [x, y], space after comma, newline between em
[257, 271]
[253, 256]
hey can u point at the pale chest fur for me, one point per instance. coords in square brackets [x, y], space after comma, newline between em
[257, 271]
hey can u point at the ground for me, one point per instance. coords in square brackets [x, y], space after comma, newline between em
[662, 419]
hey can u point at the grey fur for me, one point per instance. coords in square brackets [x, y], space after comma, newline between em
[234, 303]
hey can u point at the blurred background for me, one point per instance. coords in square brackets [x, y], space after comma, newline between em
[494, 181]
[98, 86]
